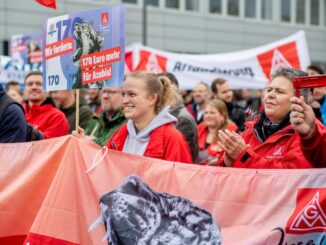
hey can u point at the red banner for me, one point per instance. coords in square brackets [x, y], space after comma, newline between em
[59, 48]
[46, 196]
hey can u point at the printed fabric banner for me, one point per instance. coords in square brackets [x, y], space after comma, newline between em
[69, 191]
[84, 50]
[244, 69]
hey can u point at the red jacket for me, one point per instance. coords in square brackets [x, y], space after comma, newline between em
[314, 148]
[165, 142]
[213, 149]
[47, 119]
[280, 150]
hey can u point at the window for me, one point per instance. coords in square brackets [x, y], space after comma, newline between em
[325, 16]
[192, 5]
[300, 10]
[285, 10]
[314, 12]
[152, 2]
[266, 9]
[129, 1]
[215, 6]
[6, 47]
[250, 8]
[233, 7]
[173, 4]
[324, 12]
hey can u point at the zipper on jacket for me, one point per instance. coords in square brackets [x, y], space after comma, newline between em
[257, 135]
[288, 132]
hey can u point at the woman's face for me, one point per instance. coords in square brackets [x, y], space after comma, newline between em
[135, 100]
[277, 98]
[212, 117]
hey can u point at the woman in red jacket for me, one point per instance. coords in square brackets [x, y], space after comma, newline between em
[215, 118]
[270, 141]
[150, 130]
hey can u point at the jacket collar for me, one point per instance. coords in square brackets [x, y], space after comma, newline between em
[46, 105]
[286, 130]
[118, 117]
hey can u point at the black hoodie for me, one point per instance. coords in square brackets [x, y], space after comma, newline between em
[13, 126]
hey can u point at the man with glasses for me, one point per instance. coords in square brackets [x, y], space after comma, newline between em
[111, 118]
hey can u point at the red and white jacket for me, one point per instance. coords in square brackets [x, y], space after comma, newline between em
[279, 151]
[47, 119]
[213, 149]
[165, 142]
[314, 148]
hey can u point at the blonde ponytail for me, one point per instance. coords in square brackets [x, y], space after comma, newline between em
[170, 95]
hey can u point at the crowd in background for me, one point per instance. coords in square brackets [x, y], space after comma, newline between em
[150, 116]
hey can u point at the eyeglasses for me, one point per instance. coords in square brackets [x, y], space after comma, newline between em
[110, 92]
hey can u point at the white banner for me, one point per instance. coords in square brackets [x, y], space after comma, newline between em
[244, 69]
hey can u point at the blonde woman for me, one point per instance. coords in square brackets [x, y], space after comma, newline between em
[150, 130]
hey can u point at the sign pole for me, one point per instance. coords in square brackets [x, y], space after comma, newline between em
[77, 109]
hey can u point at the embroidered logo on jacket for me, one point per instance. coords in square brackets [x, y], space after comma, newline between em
[278, 151]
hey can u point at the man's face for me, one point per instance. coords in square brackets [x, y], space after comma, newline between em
[201, 94]
[111, 99]
[33, 89]
[224, 92]
[60, 97]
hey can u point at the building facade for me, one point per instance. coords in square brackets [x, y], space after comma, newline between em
[189, 26]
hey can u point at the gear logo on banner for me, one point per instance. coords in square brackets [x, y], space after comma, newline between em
[279, 61]
[309, 215]
[282, 56]
[105, 18]
[128, 62]
[151, 62]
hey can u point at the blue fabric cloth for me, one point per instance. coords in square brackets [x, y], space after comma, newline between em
[323, 111]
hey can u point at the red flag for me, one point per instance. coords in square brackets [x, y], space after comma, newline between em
[48, 3]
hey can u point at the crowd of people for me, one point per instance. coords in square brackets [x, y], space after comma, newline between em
[150, 116]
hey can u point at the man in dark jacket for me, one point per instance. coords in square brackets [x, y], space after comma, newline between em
[13, 126]
[222, 91]
[186, 123]
[66, 102]
[94, 96]
[202, 95]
